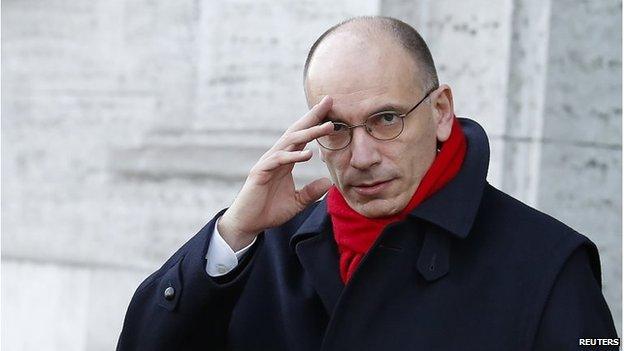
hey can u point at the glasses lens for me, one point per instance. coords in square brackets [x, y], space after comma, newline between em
[338, 139]
[385, 125]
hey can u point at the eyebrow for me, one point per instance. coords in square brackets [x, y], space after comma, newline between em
[383, 108]
[388, 107]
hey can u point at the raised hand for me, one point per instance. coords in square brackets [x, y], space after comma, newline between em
[268, 197]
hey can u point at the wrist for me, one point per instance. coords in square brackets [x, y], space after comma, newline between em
[234, 237]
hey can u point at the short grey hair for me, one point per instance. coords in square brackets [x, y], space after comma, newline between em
[405, 35]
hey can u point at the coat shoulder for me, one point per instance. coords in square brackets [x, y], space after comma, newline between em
[514, 218]
[529, 236]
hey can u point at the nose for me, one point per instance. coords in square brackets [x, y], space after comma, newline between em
[364, 153]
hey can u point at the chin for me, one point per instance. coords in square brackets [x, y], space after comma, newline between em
[377, 208]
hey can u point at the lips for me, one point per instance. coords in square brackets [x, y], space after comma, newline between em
[370, 184]
[374, 188]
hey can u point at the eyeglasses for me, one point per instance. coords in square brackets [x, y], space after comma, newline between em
[384, 125]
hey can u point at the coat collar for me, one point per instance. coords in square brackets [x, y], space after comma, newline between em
[453, 208]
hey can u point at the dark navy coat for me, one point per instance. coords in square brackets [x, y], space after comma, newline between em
[471, 268]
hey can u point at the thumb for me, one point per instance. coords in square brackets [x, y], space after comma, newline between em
[313, 191]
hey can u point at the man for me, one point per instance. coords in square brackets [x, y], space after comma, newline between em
[410, 249]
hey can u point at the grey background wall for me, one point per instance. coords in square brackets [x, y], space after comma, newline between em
[127, 124]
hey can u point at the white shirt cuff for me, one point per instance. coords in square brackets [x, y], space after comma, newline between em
[221, 259]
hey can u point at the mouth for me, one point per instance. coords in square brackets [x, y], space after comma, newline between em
[369, 189]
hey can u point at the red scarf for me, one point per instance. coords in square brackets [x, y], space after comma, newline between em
[355, 233]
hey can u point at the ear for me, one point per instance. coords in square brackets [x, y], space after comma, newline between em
[443, 112]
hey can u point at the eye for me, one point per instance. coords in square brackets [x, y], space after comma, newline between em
[340, 127]
[388, 119]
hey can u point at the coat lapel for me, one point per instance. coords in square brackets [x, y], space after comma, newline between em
[315, 246]
[407, 256]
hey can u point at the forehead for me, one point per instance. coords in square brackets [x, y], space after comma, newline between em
[361, 74]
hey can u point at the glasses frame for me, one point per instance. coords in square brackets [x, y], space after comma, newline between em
[401, 116]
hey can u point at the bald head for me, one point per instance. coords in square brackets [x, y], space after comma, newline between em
[380, 31]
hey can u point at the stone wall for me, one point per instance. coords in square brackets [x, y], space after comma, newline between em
[127, 124]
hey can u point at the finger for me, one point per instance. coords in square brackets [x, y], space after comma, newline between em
[282, 158]
[313, 191]
[314, 116]
[297, 140]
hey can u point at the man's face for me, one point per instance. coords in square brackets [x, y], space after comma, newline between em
[362, 78]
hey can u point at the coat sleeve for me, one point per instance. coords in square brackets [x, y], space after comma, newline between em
[576, 308]
[180, 305]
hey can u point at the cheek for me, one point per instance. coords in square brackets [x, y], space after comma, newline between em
[335, 162]
[395, 154]
[417, 153]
